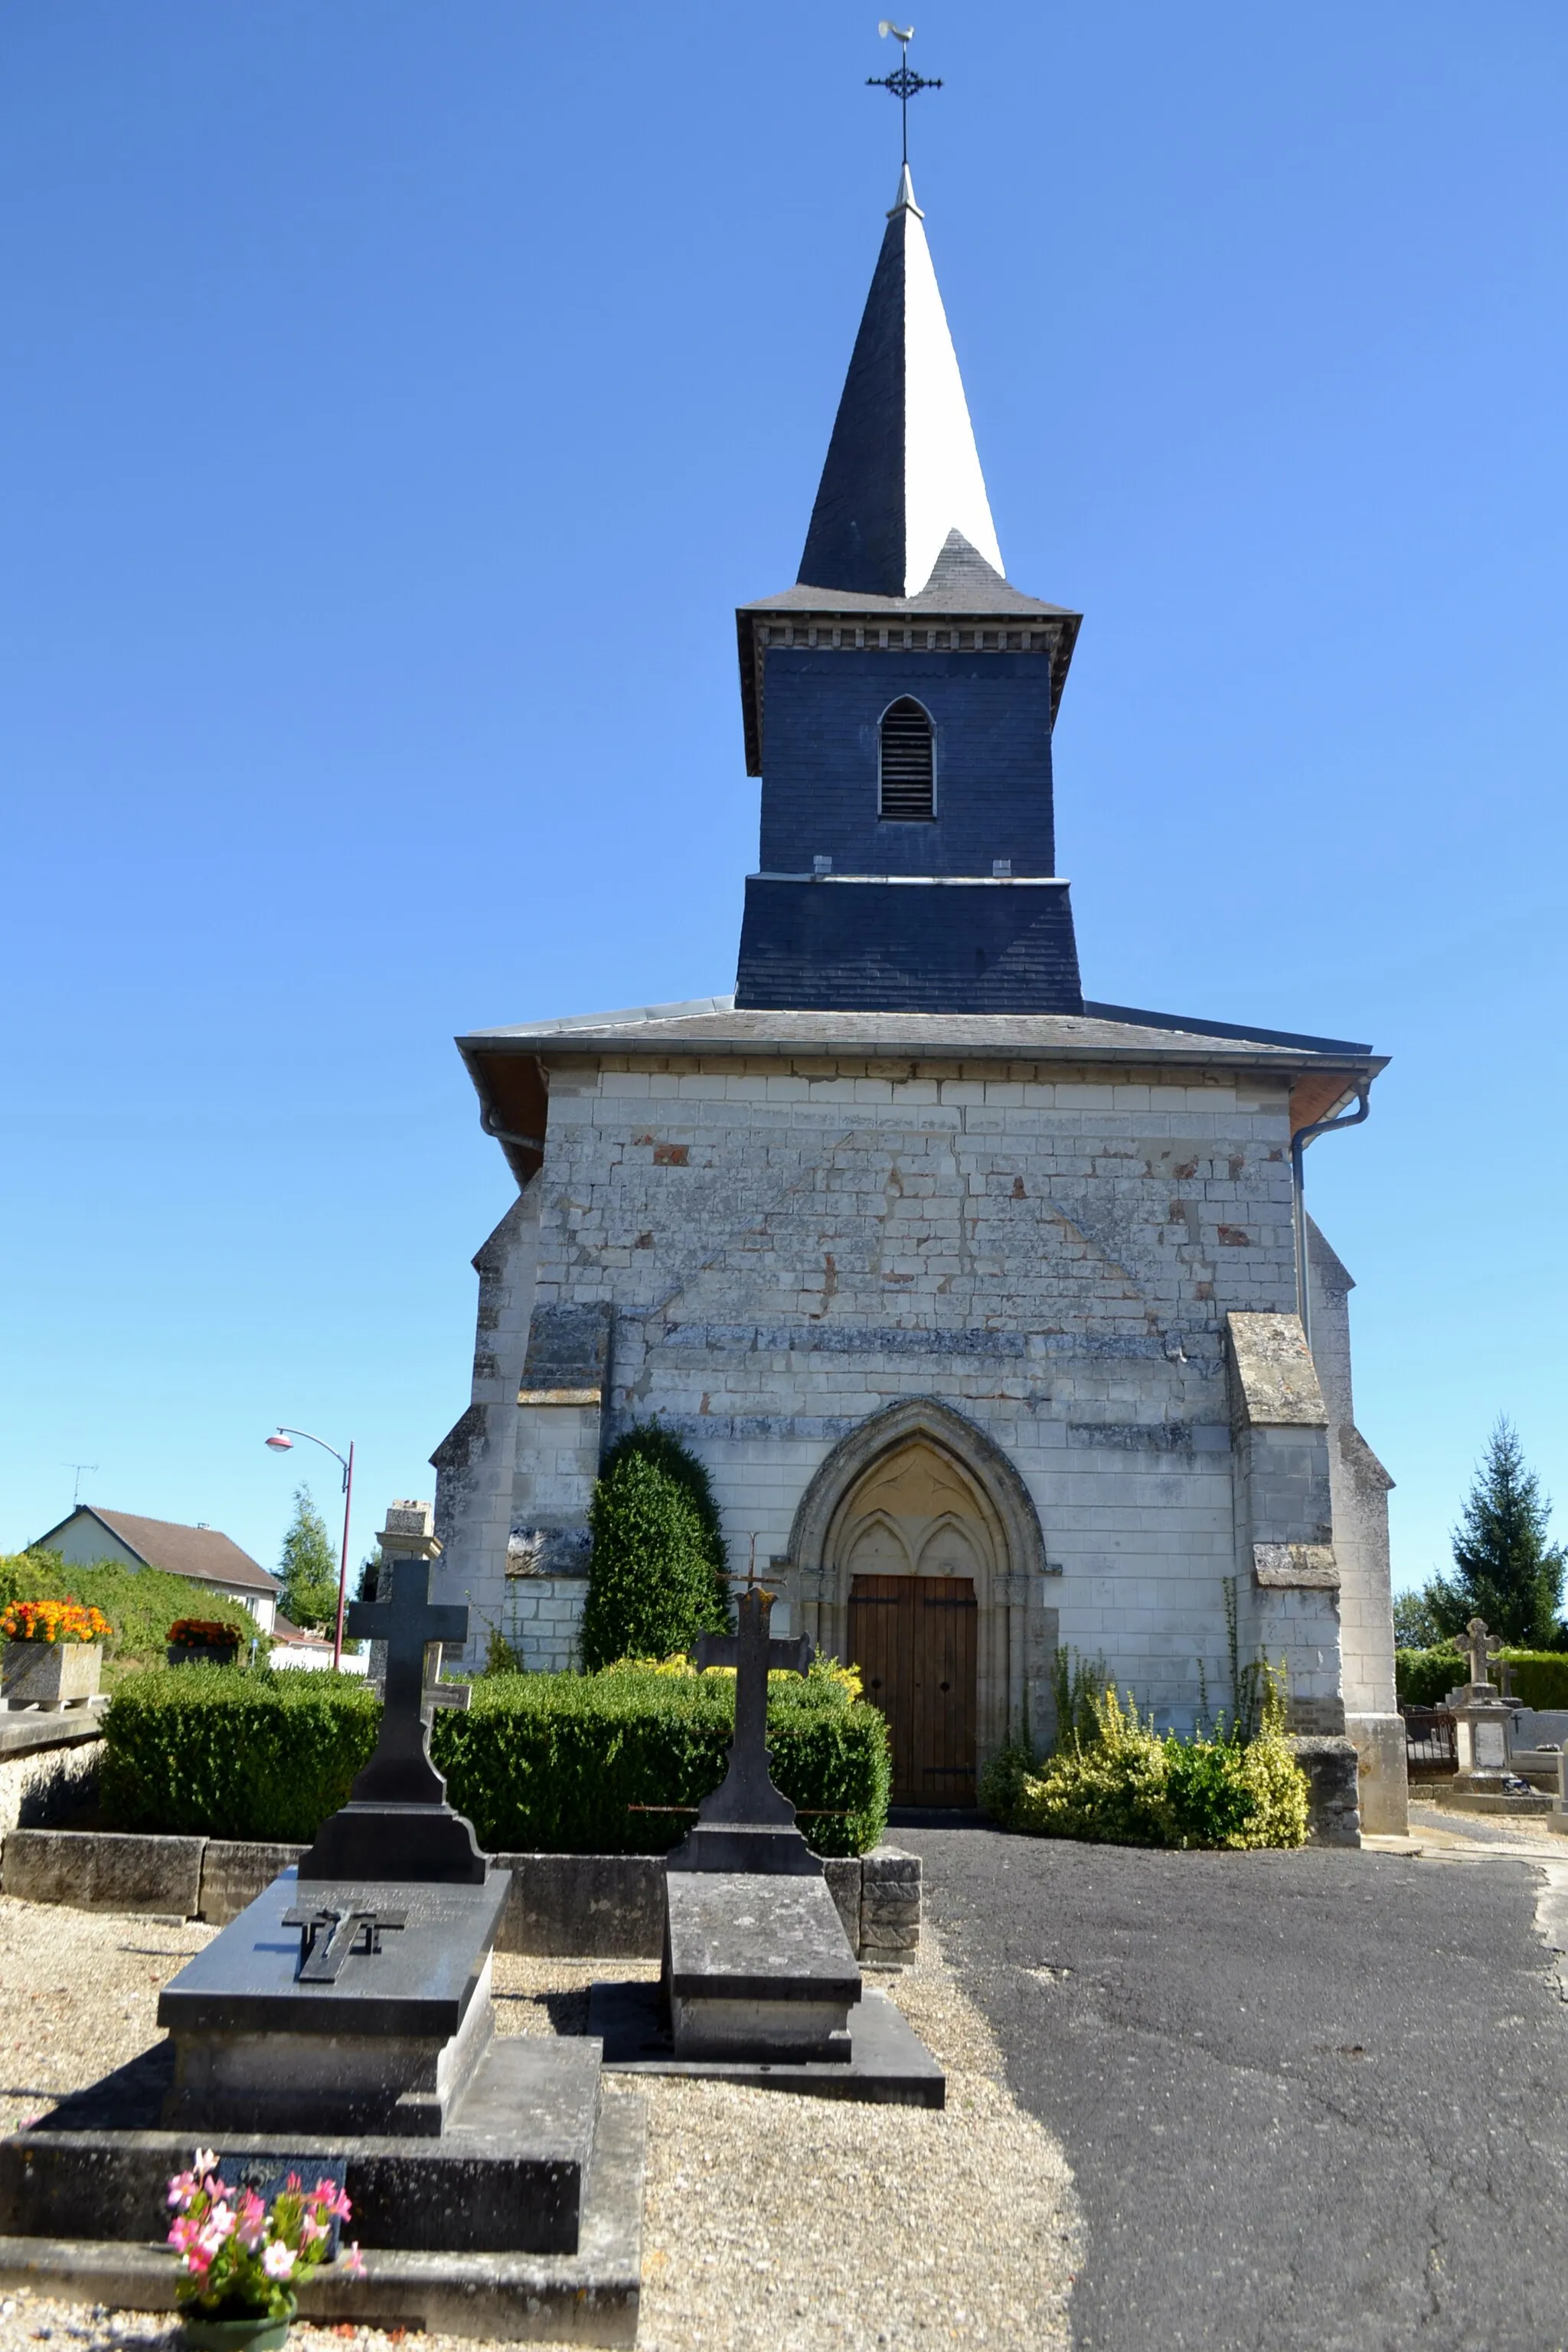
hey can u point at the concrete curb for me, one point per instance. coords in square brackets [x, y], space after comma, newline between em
[563, 1906]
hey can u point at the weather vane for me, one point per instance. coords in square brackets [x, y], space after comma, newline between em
[903, 84]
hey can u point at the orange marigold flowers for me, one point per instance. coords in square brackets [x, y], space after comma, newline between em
[52, 1620]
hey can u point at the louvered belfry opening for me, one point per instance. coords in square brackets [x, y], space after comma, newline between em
[909, 763]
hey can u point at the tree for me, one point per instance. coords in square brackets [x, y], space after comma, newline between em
[309, 1572]
[1505, 1570]
[650, 1582]
[1415, 1625]
[652, 1443]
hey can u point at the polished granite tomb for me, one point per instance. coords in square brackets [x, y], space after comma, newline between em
[345, 2019]
[759, 1983]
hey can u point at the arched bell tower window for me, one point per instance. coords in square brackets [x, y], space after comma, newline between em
[907, 770]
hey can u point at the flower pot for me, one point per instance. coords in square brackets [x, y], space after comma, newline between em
[203, 1653]
[50, 1675]
[251, 2331]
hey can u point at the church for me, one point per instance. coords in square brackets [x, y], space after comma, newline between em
[994, 1311]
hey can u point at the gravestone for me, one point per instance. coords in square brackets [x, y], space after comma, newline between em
[1483, 1734]
[344, 2018]
[747, 1824]
[354, 1991]
[759, 1983]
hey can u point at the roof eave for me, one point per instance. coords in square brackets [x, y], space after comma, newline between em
[1182, 1051]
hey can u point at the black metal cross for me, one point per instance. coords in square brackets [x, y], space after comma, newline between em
[903, 84]
[321, 1956]
[401, 1772]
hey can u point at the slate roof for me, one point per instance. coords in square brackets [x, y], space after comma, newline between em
[902, 472]
[201, 1553]
[963, 586]
[710, 1024]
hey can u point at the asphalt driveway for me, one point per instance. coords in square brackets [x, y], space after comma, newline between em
[1314, 2102]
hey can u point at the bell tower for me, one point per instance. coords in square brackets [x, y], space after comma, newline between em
[898, 703]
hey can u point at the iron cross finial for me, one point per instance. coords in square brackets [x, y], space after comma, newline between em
[903, 84]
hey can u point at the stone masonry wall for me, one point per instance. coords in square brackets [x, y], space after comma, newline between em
[1361, 1486]
[789, 1246]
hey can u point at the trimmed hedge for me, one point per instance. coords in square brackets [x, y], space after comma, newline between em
[1425, 1678]
[201, 1751]
[540, 1763]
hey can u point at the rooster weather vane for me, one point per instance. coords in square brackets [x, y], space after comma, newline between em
[903, 84]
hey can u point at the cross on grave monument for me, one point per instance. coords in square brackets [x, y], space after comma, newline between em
[397, 1823]
[1483, 1648]
[328, 1935]
[747, 1824]
[759, 1982]
[756, 1963]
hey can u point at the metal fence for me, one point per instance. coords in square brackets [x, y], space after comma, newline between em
[1429, 1738]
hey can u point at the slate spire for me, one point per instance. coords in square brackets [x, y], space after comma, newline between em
[903, 471]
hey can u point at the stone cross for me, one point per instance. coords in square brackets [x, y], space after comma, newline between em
[401, 1772]
[1483, 1648]
[747, 1824]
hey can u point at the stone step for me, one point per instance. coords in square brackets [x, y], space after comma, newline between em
[508, 2176]
[588, 2296]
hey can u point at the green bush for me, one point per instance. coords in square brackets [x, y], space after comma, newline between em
[650, 1441]
[1126, 1784]
[651, 1584]
[1425, 1678]
[141, 1603]
[540, 1763]
[201, 1751]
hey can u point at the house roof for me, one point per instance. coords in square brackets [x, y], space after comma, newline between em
[203, 1554]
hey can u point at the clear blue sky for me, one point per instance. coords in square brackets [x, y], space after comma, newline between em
[394, 402]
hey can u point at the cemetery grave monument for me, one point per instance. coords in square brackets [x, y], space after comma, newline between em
[344, 2018]
[759, 1983]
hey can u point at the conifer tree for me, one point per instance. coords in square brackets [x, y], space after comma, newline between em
[1505, 1570]
[309, 1571]
[650, 1582]
[655, 1444]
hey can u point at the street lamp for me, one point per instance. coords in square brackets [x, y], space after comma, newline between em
[283, 1441]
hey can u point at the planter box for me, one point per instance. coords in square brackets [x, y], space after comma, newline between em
[50, 1675]
[201, 1653]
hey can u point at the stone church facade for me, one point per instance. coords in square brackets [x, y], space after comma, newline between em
[995, 1312]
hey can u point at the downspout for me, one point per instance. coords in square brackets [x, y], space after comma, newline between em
[1298, 1143]
[536, 1142]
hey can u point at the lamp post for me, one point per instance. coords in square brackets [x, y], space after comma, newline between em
[283, 1441]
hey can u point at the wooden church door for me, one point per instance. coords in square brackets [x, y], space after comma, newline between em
[912, 1638]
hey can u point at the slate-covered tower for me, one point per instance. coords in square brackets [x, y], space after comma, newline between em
[898, 703]
[995, 1314]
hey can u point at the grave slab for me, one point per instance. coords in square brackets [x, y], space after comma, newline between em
[887, 2065]
[376, 2029]
[757, 1967]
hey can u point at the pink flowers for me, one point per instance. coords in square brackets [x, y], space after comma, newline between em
[237, 2254]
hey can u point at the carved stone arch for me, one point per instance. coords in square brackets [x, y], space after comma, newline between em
[950, 1430]
[1002, 1534]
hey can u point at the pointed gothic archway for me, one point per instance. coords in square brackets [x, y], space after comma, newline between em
[918, 1542]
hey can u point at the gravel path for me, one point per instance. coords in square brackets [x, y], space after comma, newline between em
[772, 2224]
